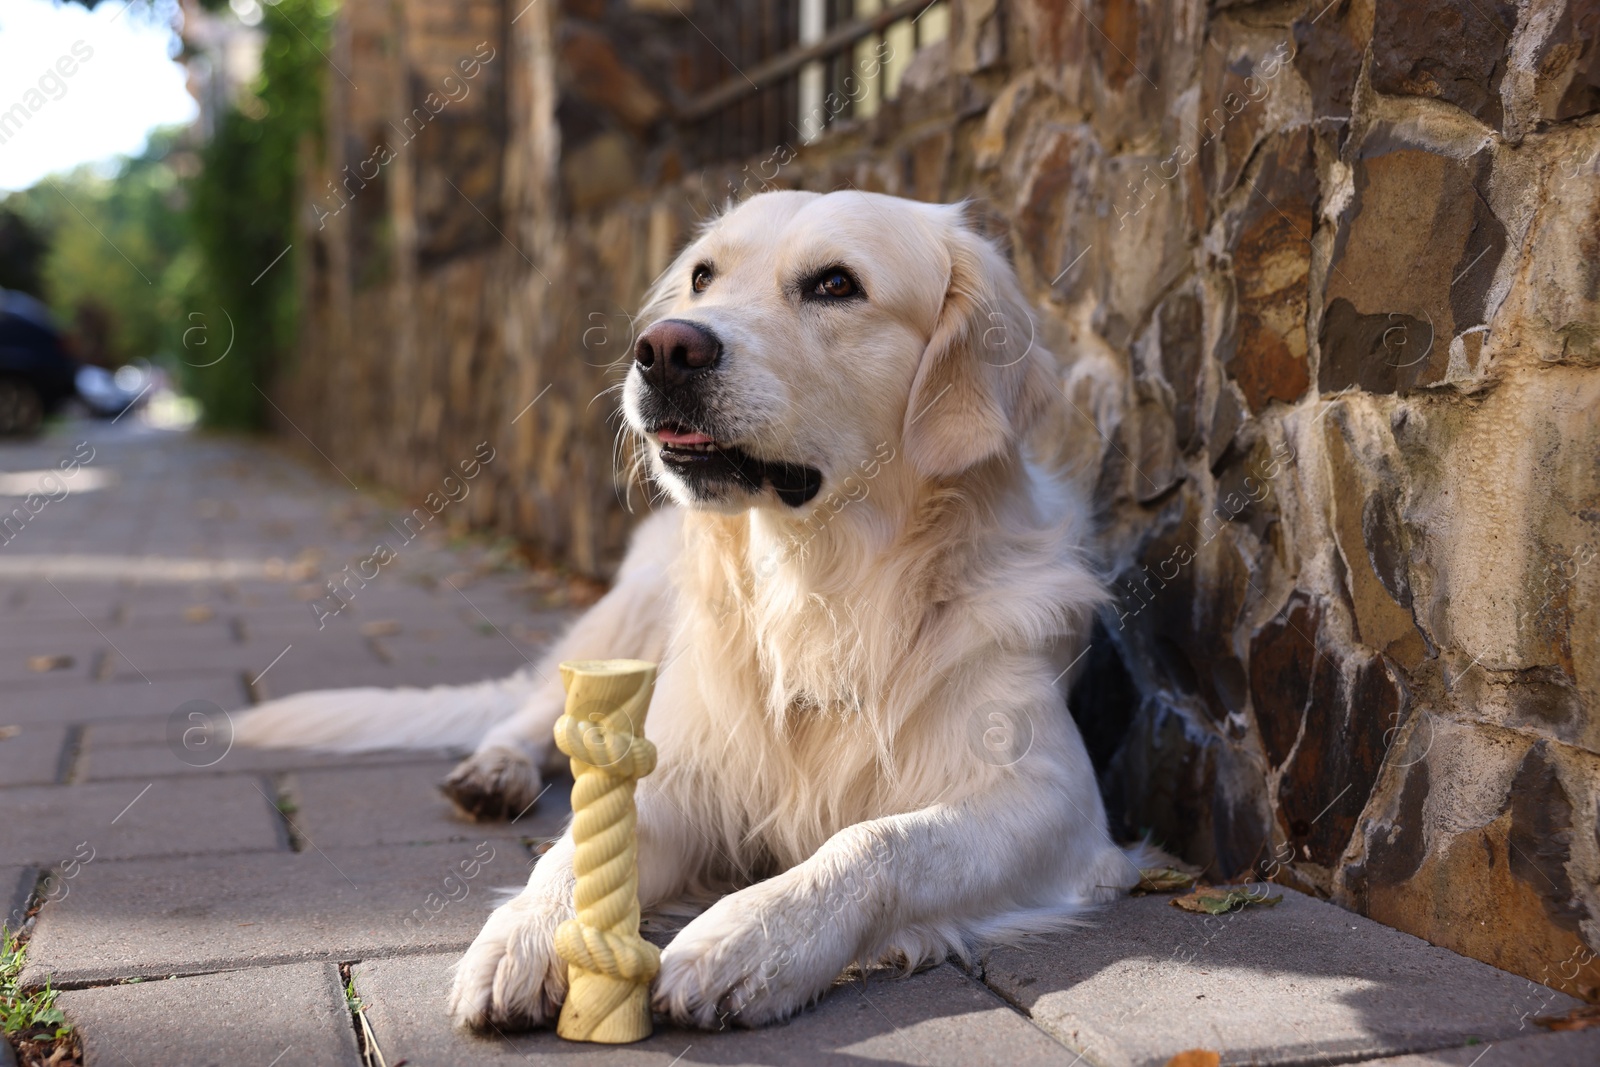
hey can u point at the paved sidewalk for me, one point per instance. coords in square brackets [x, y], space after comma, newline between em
[204, 898]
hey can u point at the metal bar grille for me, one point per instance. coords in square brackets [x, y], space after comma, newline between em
[746, 91]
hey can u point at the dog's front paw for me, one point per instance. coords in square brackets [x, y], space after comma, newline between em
[511, 977]
[495, 783]
[745, 962]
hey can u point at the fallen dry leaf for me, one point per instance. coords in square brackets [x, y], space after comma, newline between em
[40, 664]
[199, 613]
[1215, 900]
[1163, 880]
[380, 628]
[1196, 1057]
[9, 731]
[1584, 1018]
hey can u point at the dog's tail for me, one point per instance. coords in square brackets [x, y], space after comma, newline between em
[363, 720]
[1144, 855]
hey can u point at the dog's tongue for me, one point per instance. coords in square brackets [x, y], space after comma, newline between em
[683, 437]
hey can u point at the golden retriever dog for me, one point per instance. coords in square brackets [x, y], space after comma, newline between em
[863, 601]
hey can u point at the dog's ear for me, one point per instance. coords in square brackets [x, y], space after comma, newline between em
[983, 378]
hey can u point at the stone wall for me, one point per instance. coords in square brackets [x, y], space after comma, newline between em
[1325, 281]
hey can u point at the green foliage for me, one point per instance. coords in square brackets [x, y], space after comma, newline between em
[22, 251]
[115, 261]
[140, 262]
[243, 215]
[25, 1013]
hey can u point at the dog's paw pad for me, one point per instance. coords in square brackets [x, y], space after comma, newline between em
[495, 784]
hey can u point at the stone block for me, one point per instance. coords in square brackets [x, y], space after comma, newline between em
[1182, 338]
[600, 76]
[1243, 70]
[1451, 50]
[124, 820]
[293, 1014]
[1414, 268]
[203, 913]
[1465, 805]
[599, 169]
[1266, 352]
[1325, 725]
[1301, 982]
[1328, 51]
[936, 1017]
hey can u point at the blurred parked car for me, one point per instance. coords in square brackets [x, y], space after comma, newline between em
[108, 394]
[36, 374]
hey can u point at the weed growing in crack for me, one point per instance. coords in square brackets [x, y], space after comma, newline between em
[31, 1022]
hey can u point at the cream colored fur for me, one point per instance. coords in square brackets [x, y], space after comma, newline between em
[864, 753]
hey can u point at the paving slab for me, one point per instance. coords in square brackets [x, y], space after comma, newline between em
[338, 637]
[20, 628]
[1571, 1049]
[401, 804]
[294, 676]
[31, 755]
[152, 608]
[482, 641]
[106, 755]
[127, 820]
[938, 1017]
[308, 647]
[78, 700]
[281, 607]
[293, 1014]
[37, 601]
[162, 649]
[177, 605]
[254, 660]
[16, 889]
[73, 656]
[200, 913]
[1301, 982]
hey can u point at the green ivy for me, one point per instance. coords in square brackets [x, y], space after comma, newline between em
[242, 215]
[112, 254]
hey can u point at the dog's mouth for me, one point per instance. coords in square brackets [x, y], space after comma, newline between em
[710, 467]
[675, 439]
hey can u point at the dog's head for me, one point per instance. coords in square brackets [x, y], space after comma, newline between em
[802, 334]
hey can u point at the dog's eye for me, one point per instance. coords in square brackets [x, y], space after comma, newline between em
[700, 280]
[836, 284]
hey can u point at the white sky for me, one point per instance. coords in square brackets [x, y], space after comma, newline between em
[128, 87]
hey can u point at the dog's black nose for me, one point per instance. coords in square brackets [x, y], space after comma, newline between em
[671, 351]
